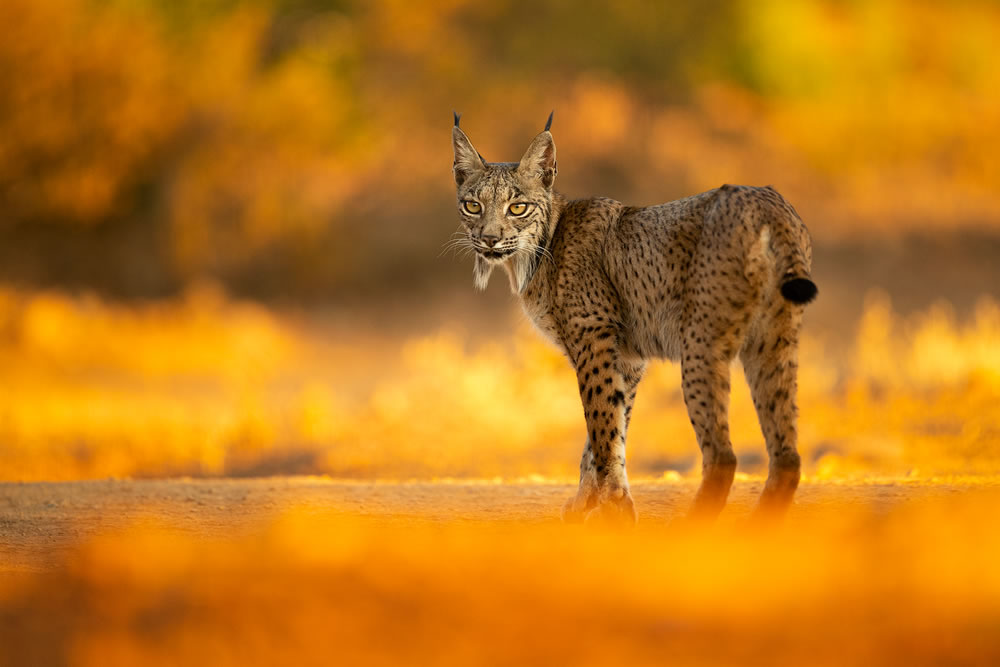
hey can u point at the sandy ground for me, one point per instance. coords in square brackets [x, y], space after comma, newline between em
[41, 522]
[312, 571]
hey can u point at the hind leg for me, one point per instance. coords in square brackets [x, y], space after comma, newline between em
[730, 268]
[705, 374]
[770, 363]
[713, 333]
[711, 339]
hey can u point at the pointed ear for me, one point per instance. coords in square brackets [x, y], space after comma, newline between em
[540, 159]
[468, 162]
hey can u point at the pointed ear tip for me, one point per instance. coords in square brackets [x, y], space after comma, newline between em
[458, 117]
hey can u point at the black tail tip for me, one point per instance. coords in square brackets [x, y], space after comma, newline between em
[799, 290]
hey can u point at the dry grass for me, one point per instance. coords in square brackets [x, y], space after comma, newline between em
[208, 386]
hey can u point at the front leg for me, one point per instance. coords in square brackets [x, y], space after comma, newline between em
[576, 508]
[579, 506]
[607, 389]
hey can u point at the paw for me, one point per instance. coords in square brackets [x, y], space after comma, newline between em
[576, 508]
[615, 510]
[767, 516]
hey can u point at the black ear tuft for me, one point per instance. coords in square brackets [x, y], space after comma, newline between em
[799, 290]
[548, 123]
[458, 117]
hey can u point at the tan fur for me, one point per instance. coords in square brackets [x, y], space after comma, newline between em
[698, 280]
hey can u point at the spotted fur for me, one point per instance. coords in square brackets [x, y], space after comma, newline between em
[699, 281]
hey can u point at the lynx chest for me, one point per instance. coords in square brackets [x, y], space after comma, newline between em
[539, 312]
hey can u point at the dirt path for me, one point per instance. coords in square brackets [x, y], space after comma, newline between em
[39, 522]
[310, 571]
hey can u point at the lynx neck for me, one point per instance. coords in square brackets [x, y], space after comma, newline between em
[536, 297]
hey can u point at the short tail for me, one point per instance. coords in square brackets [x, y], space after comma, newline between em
[792, 249]
[799, 290]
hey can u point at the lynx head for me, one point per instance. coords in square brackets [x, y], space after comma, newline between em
[505, 206]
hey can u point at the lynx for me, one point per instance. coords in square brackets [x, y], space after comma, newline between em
[698, 280]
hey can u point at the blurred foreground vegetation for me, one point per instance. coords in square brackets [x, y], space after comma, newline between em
[876, 575]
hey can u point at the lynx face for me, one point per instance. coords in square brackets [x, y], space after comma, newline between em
[505, 206]
[502, 211]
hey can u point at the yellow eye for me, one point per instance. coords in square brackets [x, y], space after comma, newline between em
[517, 209]
[472, 207]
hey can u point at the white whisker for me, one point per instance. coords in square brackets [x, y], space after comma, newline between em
[459, 241]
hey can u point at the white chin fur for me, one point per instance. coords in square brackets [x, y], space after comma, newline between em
[520, 269]
[481, 272]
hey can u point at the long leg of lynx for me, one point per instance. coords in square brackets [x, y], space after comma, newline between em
[576, 508]
[727, 278]
[607, 388]
[769, 361]
[705, 375]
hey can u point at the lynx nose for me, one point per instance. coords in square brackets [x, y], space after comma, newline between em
[489, 240]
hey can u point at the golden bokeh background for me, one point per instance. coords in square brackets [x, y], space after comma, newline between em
[220, 246]
[286, 430]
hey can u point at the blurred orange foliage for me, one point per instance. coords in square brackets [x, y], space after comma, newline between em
[292, 147]
[206, 385]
